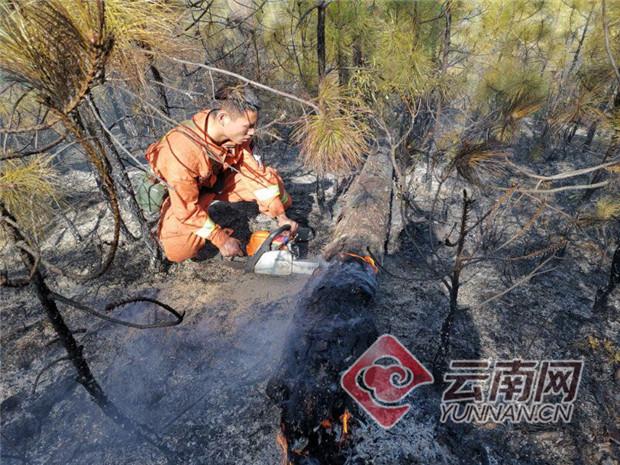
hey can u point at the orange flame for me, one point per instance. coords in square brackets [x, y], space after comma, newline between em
[281, 440]
[326, 424]
[365, 258]
[344, 418]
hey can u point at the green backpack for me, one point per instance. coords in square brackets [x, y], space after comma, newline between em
[150, 193]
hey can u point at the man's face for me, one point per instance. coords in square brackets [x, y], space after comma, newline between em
[239, 129]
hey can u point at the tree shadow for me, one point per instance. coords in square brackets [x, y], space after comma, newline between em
[540, 319]
[238, 216]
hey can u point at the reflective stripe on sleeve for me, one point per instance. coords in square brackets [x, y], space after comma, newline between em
[284, 197]
[207, 229]
[267, 193]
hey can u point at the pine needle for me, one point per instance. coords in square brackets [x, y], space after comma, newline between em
[607, 208]
[28, 189]
[141, 29]
[513, 92]
[52, 49]
[473, 161]
[334, 140]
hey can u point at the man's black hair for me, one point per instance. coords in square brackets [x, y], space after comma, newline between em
[237, 98]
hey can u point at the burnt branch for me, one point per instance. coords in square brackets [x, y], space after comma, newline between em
[38, 151]
[440, 360]
[91, 311]
[602, 295]
[45, 368]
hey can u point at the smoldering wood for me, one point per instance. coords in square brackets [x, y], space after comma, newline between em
[330, 329]
[332, 325]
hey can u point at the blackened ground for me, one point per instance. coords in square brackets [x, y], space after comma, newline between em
[201, 386]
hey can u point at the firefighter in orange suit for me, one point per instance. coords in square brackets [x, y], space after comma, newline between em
[210, 158]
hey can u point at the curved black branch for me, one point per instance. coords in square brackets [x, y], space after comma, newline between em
[45, 368]
[79, 306]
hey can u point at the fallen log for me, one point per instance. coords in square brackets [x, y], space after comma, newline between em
[364, 221]
[332, 326]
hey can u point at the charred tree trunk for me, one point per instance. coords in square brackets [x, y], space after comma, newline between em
[364, 220]
[598, 175]
[590, 136]
[441, 356]
[157, 77]
[602, 296]
[320, 39]
[161, 91]
[320, 196]
[438, 99]
[332, 327]
[358, 54]
[101, 170]
[119, 114]
[320, 52]
[570, 134]
[343, 72]
[581, 40]
[84, 128]
[119, 185]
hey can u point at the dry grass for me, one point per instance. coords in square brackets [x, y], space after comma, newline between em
[334, 140]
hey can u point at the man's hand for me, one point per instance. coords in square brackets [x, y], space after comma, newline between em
[283, 219]
[231, 248]
[226, 244]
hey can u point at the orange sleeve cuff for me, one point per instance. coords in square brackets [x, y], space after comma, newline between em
[219, 236]
[275, 207]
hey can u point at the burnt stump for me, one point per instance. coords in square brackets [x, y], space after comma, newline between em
[330, 329]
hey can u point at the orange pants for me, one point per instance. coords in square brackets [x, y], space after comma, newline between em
[179, 241]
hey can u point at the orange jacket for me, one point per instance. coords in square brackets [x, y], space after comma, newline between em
[186, 159]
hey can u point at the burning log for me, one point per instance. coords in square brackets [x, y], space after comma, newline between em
[332, 327]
